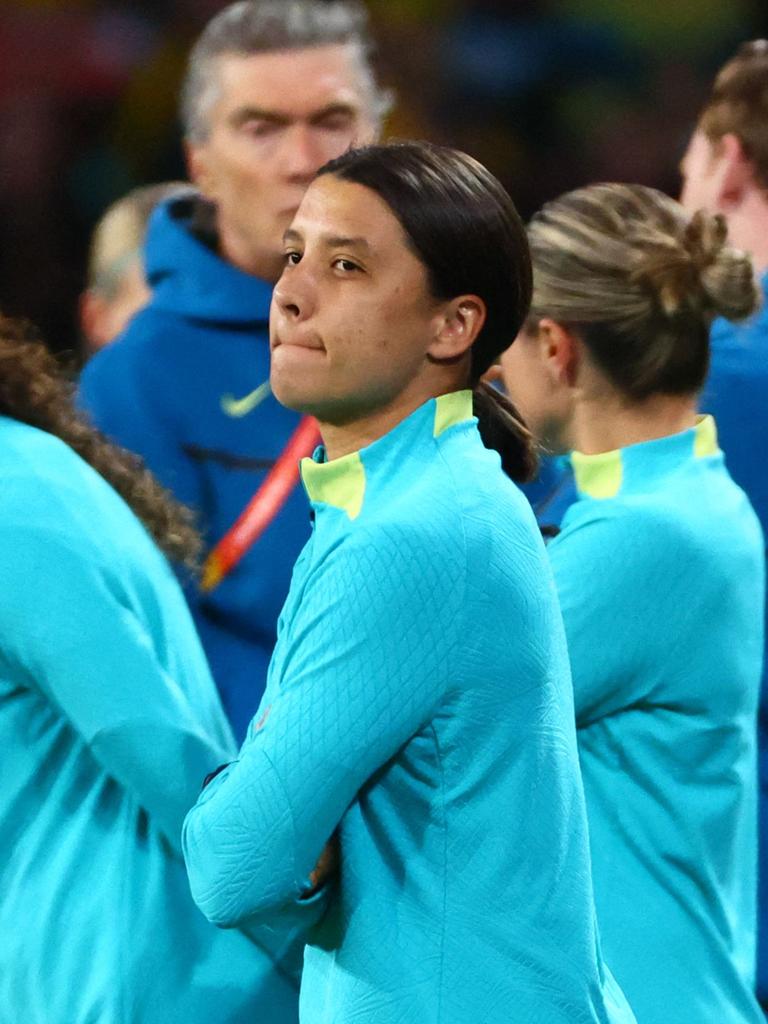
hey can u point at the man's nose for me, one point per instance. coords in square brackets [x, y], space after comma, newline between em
[304, 155]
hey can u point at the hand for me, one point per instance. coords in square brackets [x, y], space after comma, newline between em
[327, 865]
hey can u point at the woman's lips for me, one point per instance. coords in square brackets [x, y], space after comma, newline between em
[313, 344]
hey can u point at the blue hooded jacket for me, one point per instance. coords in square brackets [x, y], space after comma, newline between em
[186, 387]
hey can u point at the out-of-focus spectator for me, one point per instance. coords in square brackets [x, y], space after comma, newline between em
[274, 89]
[551, 93]
[116, 286]
[725, 170]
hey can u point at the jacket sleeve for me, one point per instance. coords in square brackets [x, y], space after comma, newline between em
[130, 394]
[370, 655]
[72, 635]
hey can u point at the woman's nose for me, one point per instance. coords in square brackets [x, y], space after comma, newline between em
[287, 301]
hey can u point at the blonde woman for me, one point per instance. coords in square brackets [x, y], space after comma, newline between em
[659, 568]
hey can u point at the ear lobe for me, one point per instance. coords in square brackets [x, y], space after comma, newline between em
[457, 327]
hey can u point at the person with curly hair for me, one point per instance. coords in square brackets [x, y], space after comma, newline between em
[109, 720]
[659, 569]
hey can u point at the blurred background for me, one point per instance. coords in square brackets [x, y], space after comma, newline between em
[550, 94]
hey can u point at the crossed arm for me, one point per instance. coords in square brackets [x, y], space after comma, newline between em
[368, 658]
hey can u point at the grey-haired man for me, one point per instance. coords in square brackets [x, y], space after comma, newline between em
[274, 89]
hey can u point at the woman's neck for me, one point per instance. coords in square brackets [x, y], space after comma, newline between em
[603, 424]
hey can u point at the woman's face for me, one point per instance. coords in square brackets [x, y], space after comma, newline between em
[352, 318]
[532, 380]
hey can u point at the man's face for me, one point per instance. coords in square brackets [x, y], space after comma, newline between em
[276, 119]
[352, 318]
[700, 169]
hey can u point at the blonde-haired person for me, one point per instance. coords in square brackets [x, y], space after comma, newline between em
[659, 568]
[116, 287]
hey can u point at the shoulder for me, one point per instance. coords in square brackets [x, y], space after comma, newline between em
[152, 335]
[495, 516]
[627, 524]
[51, 496]
[644, 541]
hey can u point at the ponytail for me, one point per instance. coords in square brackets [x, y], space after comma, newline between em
[503, 430]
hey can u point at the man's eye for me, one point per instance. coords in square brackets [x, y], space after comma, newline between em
[336, 122]
[260, 129]
[292, 258]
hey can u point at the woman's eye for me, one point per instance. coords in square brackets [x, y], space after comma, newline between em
[345, 265]
[292, 258]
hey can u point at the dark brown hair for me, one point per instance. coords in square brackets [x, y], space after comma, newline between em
[463, 226]
[34, 389]
[738, 104]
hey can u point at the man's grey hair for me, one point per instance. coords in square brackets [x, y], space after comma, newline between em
[264, 26]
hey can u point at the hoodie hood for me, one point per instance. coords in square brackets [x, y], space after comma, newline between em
[189, 279]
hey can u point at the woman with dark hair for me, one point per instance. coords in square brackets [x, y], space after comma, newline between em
[659, 567]
[108, 720]
[419, 706]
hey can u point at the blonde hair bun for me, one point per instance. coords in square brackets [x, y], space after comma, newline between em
[640, 280]
[693, 270]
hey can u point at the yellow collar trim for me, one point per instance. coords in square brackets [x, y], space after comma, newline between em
[340, 483]
[705, 438]
[598, 476]
[450, 409]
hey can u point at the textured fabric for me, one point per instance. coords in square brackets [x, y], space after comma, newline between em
[187, 388]
[737, 395]
[661, 588]
[419, 703]
[108, 722]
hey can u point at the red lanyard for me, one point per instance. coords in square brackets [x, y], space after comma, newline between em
[263, 506]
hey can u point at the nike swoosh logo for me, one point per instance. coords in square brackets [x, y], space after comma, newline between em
[238, 407]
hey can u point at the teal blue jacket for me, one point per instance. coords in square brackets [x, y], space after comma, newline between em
[659, 567]
[109, 720]
[418, 705]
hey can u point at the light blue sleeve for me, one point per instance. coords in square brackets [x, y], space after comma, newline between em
[606, 570]
[131, 399]
[73, 634]
[372, 652]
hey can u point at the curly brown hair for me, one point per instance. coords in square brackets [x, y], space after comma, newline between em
[36, 389]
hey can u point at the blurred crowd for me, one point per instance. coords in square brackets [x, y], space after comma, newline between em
[547, 93]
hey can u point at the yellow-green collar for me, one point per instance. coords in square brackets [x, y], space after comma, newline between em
[602, 475]
[342, 482]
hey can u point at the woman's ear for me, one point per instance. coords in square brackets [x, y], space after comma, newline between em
[735, 172]
[456, 327]
[559, 351]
